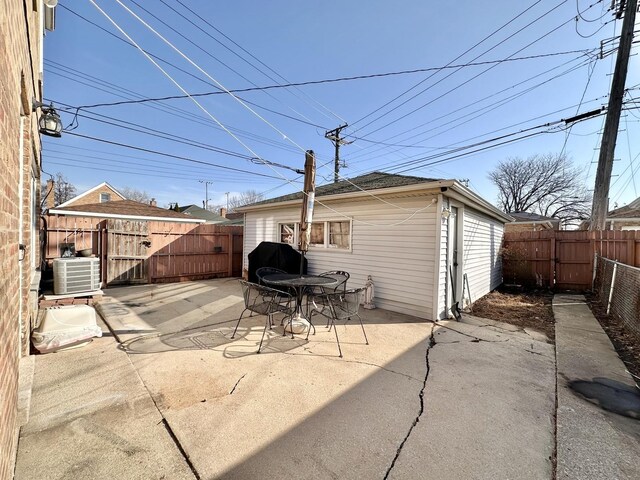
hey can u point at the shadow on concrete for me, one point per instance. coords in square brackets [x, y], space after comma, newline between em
[610, 395]
[217, 336]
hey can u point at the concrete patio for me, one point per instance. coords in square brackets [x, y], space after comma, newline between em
[178, 398]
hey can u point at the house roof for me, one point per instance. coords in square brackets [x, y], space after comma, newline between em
[199, 212]
[370, 181]
[377, 181]
[126, 209]
[91, 190]
[531, 217]
[628, 211]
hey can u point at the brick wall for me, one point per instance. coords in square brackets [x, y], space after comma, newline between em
[20, 44]
[94, 197]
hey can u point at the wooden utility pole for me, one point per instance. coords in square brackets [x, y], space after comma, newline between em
[600, 205]
[205, 204]
[334, 136]
[308, 198]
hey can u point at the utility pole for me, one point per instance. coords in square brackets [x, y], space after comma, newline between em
[308, 198]
[600, 204]
[227, 194]
[334, 136]
[206, 192]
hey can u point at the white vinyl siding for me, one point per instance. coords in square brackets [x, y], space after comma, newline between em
[443, 265]
[481, 259]
[394, 246]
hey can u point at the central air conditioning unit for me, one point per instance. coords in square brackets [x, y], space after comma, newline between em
[76, 275]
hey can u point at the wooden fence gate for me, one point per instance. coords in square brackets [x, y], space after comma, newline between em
[133, 252]
[125, 259]
[564, 259]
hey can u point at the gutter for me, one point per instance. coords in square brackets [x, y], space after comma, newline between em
[75, 213]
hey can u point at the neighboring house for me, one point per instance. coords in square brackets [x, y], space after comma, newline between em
[625, 218]
[123, 234]
[99, 194]
[23, 23]
[198, 212]
[622, 218]
[125, 210]
[234, 218]
[531, 222]
[413, 236]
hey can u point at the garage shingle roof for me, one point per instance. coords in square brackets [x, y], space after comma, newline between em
[370, 181]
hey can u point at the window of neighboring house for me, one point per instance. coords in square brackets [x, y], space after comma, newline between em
[288, 233]
[105, 197]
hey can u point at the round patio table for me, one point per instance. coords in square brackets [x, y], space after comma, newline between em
[298, 323]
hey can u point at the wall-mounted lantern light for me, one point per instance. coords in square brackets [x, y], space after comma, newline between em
[49, 122]
[445, 213]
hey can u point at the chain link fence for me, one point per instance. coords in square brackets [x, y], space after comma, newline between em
[618, 288]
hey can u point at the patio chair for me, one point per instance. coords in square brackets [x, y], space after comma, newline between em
[342, 306]
[317, 297]
[264, 271]
[264, 301]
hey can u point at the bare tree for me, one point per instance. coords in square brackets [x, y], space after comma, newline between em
[548, 185]
[244, 198]
[134, 194]
[63, 189]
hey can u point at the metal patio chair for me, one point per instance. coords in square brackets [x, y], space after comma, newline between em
[343, 305]
[317, 297]
[264, 271]
[266, 301]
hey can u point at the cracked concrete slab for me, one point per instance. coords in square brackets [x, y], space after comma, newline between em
[488, 409]
[91, 417]
[598, 402]
[298, 411]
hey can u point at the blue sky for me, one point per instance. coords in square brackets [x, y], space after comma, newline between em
[435, 113]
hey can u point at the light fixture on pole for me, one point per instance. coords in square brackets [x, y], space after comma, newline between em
[49, 122]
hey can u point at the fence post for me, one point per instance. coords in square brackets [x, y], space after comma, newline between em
[613, 282]
[595, 269]
[230, 255]
[552, 259]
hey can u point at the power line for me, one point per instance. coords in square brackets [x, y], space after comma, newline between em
[210, 55]
[259, 61]
[164, 154]
[208, 23]
[333, 80]
[455, 59]
[419, 162]
[149, 164]
[484, 110]
[160, 59]
[439, 97]
[455, 71]
[181, 113]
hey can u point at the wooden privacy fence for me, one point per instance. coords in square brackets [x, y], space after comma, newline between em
[564, 259]
[148, 251]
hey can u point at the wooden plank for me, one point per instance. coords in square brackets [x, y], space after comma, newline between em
[552, 262]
